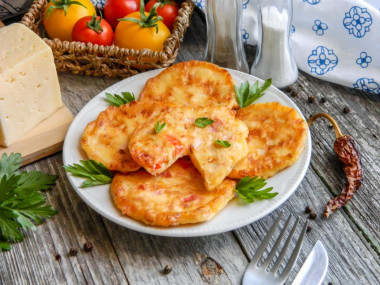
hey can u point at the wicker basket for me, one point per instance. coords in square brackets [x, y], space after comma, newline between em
[109, 61]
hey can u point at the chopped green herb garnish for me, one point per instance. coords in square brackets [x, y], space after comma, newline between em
[246, 94]
[248, 189]
[203, 122]
[117, 100]
[223, 143]
[94, 172]
[158, 127]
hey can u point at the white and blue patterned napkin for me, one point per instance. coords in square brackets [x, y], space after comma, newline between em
[337, 41]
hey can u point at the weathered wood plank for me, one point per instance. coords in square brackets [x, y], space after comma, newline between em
[350, 259]
[203, 260]
[122, 256]
[363, 124]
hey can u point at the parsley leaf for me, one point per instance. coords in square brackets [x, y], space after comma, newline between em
[117, 100]
[9, 164]
[203, 122]
[158, 127]
[22, 204]
[246, 94]
[248, 189]
[223, 143]
[94, 172]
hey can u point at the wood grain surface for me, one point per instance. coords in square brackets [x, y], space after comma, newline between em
[122, 256]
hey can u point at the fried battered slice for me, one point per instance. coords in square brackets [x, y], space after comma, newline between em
[192, 83]
[174, 197]
[277, 136]
[158, 151]
[106, 139]
[212, 160]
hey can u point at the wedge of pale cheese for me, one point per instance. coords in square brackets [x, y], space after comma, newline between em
[29, 87]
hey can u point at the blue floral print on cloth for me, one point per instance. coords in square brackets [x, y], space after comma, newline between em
[98, 3]
[322, 60]
[337, 41]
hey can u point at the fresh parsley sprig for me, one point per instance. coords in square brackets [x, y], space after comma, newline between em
[248, 189]
[158, 127]
[222, 143]
[203, 122]
[22, 204]
[117, 100]
[94, 172]
[247, 94]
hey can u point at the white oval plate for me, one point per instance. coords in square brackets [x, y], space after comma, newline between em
[235, 215]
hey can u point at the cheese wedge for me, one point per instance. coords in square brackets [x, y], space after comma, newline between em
[29, 88]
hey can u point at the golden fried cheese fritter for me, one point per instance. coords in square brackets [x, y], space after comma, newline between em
[180, 136]
[106, 139]
[277, 136]
[192, 83]
[177, 196]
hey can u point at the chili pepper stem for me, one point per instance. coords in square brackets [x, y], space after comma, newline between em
[338, 132]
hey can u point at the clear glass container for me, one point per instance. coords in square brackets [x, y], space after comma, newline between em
[274, 56]
[224, 34]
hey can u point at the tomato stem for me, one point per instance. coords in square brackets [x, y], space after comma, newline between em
[62, 4]
[146, 21]
[94, 24]
[166, 2]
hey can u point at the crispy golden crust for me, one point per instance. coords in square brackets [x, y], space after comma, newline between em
[174, 197]
[277, 136]
[180, 137]
[106, 139]
[192, 83]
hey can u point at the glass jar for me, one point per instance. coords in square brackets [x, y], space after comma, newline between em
[274, 56]
[224, 34]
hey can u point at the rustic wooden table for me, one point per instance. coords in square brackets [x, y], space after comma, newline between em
[123, 256]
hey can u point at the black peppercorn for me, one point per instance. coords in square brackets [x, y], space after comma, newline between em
[323, 100]
[57, 257]
[73, 251]
[294, 93]
[346, 110]
[87, 246]
[311, 99]
[308, 228]
[167, 269]
[312, 216]
[308, 210]
[330, 283]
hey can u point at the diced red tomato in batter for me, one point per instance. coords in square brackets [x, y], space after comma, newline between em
[177, 144]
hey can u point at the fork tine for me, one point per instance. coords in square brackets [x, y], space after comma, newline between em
[276, 245]
[264, 243]
[295, 253]
[284, 249]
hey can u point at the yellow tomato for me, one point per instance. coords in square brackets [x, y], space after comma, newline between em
[58, 25]
[130, 35]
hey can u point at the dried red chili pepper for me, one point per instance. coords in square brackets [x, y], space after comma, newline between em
[344, 147]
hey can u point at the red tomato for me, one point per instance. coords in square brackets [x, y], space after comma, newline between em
[93, 29]
[167, 9]
[117, 9]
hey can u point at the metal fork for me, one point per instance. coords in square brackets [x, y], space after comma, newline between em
[261, 274]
